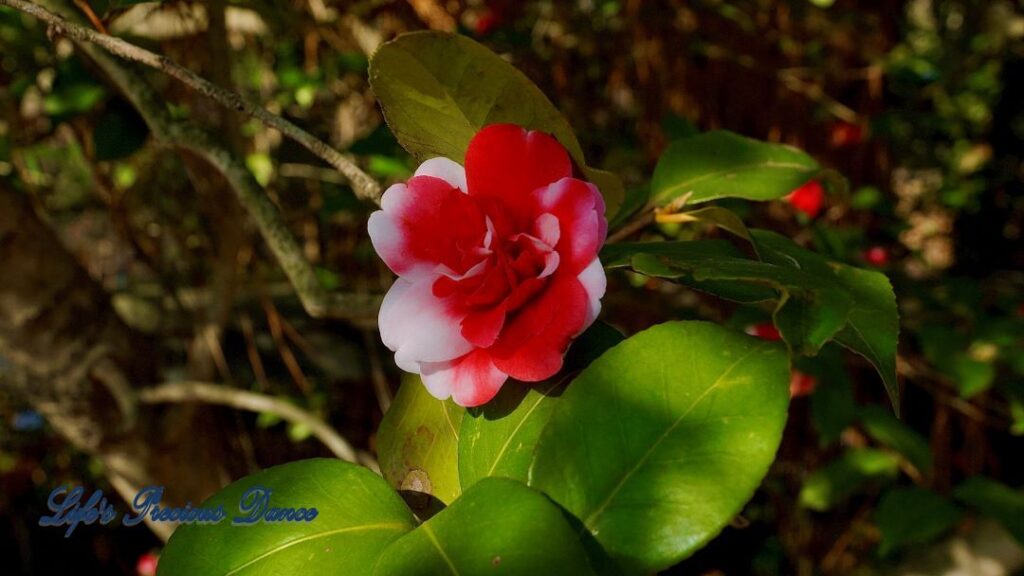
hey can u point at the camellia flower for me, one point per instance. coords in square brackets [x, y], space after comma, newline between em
[809, 198]
[497, 264]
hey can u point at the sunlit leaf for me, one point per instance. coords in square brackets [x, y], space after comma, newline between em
[721, 164]
[498, 526]
[417, 443]
[358, 515]
[438, 90]
[663, 439]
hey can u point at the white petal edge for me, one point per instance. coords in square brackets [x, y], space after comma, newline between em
[417, 327]
[463, 384]
[595, 282]
[446, 169]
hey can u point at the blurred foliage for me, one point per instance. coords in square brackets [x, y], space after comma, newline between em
[920, 103]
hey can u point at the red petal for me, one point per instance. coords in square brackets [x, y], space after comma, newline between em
[471, 380]
[507, 163]
[580, 211]
[481, 327]
[531, 346]
[427, 222]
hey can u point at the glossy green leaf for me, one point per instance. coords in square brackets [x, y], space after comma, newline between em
[995, 500]
[810, 308]
[887, 429]
[358, 515]
[438, 90]
[816, 300]
[908, 516]
[498, 526]
[853, 471]
[660, 442]
[498, 438]
[417, 444]
[721, 164]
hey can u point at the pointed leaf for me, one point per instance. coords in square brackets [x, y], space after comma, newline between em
[721, 164]
[438, 90]
[417, 443]
[358, 516]
[664, 438]
[498, 526]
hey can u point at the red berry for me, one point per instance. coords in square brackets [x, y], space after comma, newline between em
[801, 384]
[808, 198]
[146, 564]
[765, 331]
[486, 22]
[876, 256]
[846, 134]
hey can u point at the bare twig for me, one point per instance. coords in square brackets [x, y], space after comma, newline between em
[364, 186]
[184, 136]
[252, 402]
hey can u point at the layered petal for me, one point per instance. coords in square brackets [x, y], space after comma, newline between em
[471, 380]
[506, 163]
[531, 346]
[426, 223]
[419, 327]
[579, 209]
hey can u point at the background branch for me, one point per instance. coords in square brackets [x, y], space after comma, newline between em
[252, 402]
[185, 136]
[363, 185]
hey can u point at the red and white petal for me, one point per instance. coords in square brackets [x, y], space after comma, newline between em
[424, 223]
[507, 163]
[580, 211]
[418, 326]
[446, 169]
[470, 381]
[594, 282]
[532, 344]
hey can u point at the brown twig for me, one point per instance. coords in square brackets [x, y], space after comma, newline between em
[363, 185]
[252, 402]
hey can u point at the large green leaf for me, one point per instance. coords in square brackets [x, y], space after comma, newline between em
[498, 438]
[498, 526]
[438, 90]
[417, 444]
[658, 444]
[721, 164]
[908, 516]
[358, 516]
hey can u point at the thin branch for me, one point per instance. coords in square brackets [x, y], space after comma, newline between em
[252, 402]
[183, 135]
[363, 185]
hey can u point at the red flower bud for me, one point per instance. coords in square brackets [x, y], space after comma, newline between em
[876, 256]
[765, 331]
[809, 198]
[846, 134]
[801, 384]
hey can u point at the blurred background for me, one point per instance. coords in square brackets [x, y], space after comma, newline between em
[127, 262]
